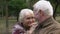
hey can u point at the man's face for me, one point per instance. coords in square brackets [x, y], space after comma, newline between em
[29, 19]
[40, 16]
[37, 14]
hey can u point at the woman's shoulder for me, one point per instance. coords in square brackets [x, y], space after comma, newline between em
[17, 29]
[17, 26]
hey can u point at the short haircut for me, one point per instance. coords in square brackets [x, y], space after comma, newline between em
[45, 6]
[23, 13]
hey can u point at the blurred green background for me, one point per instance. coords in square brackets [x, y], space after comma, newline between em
[9, 11]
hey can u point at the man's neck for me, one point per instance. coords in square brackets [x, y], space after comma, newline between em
[44, 18]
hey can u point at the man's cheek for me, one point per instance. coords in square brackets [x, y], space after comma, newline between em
[37, 16]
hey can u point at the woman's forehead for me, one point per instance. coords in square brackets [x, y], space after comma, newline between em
[29, 14]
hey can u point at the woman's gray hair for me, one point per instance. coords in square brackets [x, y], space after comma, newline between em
[45, 6]
[23, 13]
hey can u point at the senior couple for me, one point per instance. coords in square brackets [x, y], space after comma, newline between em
[38, 21]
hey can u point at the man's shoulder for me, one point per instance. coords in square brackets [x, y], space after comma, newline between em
[55, 28]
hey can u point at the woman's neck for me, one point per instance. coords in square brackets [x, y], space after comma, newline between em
[25, 27]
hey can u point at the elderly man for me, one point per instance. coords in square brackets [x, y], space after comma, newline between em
[43, 11]
[26, 20]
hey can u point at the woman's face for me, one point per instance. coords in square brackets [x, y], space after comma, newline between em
[29, 19]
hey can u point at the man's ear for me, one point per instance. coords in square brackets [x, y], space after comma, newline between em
[41, 12]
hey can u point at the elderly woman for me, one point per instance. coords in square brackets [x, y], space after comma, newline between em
[26, 18]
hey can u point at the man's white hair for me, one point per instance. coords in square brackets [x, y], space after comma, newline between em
[45, 6]
[42, 0]
[23, 13]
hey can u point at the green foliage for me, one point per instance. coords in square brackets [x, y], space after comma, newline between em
[54, 3]
[14, 6]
